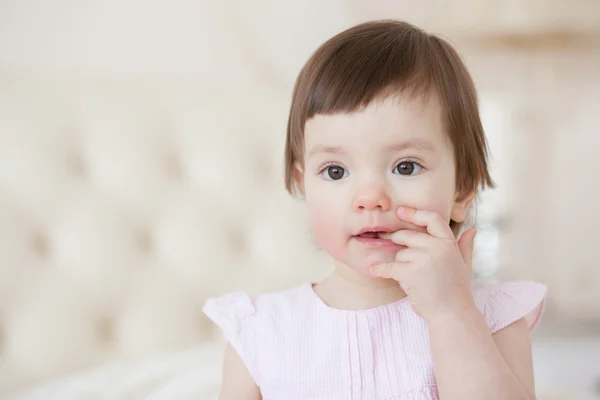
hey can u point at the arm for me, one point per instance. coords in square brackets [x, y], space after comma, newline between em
[237, 384]
[435, 271]
[470, 363]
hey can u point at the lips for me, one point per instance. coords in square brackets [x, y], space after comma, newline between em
[374, 231]
[372, 235]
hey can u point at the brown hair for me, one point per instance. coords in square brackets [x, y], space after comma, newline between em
[377, 59]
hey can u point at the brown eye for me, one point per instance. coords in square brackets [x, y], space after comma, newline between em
[334, 173]
[407, 168]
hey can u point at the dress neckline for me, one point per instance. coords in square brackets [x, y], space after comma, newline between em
[309, 288]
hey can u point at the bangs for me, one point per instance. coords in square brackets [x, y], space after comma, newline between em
[349, 76]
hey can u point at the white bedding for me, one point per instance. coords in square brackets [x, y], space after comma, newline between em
[191, 374]
[565, 370]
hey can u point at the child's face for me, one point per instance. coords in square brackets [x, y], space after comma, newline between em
[360, 167]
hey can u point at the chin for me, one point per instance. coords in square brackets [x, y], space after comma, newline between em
[378, 258]
[361, 264]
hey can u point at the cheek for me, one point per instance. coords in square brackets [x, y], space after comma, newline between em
[439, 206]
[327, 223]
[431, 197]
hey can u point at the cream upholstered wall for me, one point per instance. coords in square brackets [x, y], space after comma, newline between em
[122, 210]
[141, 163]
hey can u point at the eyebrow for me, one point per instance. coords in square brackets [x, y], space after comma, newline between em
[402, 146]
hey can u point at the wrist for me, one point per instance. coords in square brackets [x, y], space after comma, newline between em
[460, 311]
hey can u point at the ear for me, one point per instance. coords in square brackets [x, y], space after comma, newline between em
[461, 206]
[298, 176]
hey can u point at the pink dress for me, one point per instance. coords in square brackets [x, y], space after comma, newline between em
[296, 347]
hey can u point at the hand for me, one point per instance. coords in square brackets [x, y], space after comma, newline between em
[434, 270]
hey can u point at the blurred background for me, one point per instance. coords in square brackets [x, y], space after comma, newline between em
[141, 155]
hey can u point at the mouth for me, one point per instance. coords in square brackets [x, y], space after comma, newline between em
[376, 237]
[370, 235]
[373, 232]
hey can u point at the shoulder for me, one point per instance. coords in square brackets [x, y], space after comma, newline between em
[503, 303]
[240, 306]
[244, 319]
[284, 301]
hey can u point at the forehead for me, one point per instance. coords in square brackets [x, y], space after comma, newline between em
[383, 122]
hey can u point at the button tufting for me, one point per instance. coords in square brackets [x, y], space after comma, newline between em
[237, 241]
[39, 244]
[261, 168]
[174, 167]
[144, 242]
[76, 165]
[105, 329]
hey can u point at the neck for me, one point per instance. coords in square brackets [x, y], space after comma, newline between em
[347, 289]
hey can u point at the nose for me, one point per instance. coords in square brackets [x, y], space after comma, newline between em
[371, 199]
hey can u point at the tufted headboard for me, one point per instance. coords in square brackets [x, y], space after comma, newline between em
[122, 208]
[141, 155]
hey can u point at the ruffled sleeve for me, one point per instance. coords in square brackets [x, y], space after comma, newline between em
[504, 303]
[234, 314]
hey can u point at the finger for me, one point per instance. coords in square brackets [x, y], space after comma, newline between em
[409, 238]
[466, 243]
[408, 255]
[386, 270]
[435, 224]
